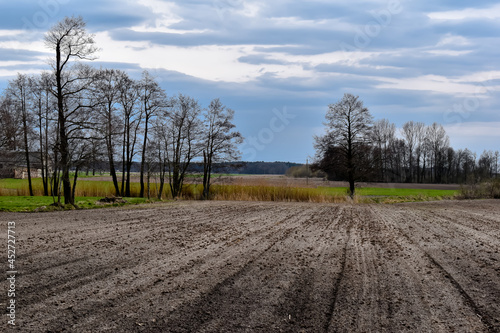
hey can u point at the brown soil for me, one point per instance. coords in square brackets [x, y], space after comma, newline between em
[259, 267]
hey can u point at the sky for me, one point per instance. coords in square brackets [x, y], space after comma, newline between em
[279, 64]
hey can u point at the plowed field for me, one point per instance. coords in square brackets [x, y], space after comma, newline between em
[259, 267]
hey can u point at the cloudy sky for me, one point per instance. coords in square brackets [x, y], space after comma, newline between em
[279, 63]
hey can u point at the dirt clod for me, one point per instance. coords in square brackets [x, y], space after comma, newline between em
[240, 267]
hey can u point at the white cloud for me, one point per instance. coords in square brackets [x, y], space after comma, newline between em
[453, 40]
[163, 16]
[480, 77]
[249, 9]
[461, 86]
[476, 136]
[209, 62]
[468, 13]
[474, 129]
[434, 83]
[10, 33]
[323, 24]
[452, 53]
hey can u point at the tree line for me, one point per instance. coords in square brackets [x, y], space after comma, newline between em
[76, 115]
[357, 148]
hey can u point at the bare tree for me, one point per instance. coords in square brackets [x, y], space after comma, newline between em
[159, 146]
[43, 107]
[419, 129]
[220, 140]
[486, 165]
[153, 99]
[129, 99]
[19, 89]
[496, 163]
[410, 134]
[70, 40]
[10, 123]
[383, 134]
[468, 165]
[183, 139]
[107, 90]
[438, 140]
[348, 128]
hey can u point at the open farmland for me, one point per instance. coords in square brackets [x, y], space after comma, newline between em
[260, 267]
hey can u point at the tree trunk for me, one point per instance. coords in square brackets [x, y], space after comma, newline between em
[109, 143]
[64, 147]
[207, 171]
[161, 163]
[112, 169]
[26, 147]
[143, 159]
[74, 183]
[127, 182]
[350, 162]
[123, 158]
[44, 177]
[162, 184]
[148, 178]
[47, 155]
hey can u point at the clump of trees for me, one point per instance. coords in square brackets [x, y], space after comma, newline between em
[357, 148]
[76, 116]
[304, 171]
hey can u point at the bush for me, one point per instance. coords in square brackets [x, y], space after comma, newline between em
[303, 171]
[484, 190]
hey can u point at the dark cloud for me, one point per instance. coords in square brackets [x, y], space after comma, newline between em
[400, 45]
[261, 59]
[20, 55]
[43, 14]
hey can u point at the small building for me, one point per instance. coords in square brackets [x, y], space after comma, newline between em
[13, 165]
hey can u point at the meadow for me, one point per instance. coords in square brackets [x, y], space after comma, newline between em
[14, 193]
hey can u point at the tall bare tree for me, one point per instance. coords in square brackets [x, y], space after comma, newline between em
[410, 132]
[153, 99]
[496, 163]
[419, 129]
[159, 146]
[220, 140]
[438, 140]
[383, 134]
[70, 41]
[20, 90]
[107, 90]
[348, 128]
[10, 123]
[129, 100]
[184, 139]
[43, 106]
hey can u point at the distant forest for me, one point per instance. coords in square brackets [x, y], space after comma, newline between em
[243, 168]
[356, 148]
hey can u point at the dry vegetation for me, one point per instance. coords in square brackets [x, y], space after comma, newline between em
[253, 188]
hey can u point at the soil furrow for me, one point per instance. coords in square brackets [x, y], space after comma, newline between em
[484, 317]
[260, 267]
[338, 280]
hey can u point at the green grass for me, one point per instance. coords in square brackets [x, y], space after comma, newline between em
[14, 194]
[29, 204]
[392, 192]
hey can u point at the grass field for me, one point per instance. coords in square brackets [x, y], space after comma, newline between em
[29, 204]
[14, 194]
[393, 192]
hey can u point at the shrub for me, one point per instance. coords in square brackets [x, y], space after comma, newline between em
[483, 190]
